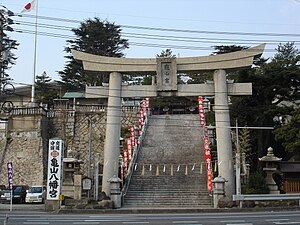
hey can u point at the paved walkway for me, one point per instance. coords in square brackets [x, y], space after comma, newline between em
[130, 210]
[23, 207]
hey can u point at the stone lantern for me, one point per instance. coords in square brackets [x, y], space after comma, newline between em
[71, 186]
[271, 165]
[218, 189]
[115, 191]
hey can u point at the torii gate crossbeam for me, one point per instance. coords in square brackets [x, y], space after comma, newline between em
[166, 70]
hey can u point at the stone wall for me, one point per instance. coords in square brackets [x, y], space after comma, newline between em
[23, 145]
[24, 140]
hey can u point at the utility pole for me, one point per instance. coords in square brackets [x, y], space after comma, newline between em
[237, 161]
[96, 176]
[90, 153]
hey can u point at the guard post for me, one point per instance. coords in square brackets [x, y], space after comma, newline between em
[218, 189]
[115, 191]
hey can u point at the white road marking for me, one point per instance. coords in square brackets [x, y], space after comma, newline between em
[239, 223]
[36, 223]
[135, 222]
[286, 223]
[232, 221]
[86, 222]
[185, 222]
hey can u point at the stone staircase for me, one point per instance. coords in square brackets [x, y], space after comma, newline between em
[170, 169]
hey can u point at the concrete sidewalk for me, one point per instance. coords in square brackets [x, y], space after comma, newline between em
[134, 210]
[22, 207]
[173, 210]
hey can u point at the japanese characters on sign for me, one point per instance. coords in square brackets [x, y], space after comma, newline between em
[54, 179]
[129, 149]
[166, 74]
[207, 155]
[10, 172]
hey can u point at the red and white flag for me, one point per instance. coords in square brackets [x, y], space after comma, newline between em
[29, 6]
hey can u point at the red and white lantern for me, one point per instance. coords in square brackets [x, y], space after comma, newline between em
[129, 149]
[206, 145]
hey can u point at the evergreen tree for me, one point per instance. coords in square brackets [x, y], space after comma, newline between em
[245, 146]
[289, 135]
[96, 37]
[166, 54]
[8, 58]
[45, 93]
[275, 86]
[198, 78]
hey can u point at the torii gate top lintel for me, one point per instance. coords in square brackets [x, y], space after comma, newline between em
[167, 69]
[229, 61]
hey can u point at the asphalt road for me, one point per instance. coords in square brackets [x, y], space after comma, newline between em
[228, 218]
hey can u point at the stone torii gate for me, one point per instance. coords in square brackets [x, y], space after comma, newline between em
[166, 70]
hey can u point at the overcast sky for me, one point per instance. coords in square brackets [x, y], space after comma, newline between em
[188, 27]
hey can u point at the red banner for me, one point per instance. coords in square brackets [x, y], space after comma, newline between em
[129, 149]
[206, 145]
[125, 156]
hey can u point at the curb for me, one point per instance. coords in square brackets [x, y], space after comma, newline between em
[173, 210]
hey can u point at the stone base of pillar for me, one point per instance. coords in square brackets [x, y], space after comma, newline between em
[52, 205]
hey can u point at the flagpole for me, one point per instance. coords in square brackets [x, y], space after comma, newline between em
[34, 55]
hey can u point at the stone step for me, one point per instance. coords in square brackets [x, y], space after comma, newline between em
[149, 190]
[168, 204]
[170, 140]
[168, 198]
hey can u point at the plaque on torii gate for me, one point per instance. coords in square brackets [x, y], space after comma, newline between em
[166, 70]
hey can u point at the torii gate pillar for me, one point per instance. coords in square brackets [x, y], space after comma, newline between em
[223, 133]
[166, 87]
[113, 132]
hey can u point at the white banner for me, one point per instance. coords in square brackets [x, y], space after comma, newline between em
[54, 180]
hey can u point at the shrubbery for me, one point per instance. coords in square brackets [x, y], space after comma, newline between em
[256, 184]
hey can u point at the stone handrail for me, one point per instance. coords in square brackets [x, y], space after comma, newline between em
[22, 111]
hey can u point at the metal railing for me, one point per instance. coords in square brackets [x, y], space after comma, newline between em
[266, 197]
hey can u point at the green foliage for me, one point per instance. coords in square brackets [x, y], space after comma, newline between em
[273, 85]
[210, 118]
[289, 134]
[221, 49]
[166, 54]
[96, 37]
[256, 184]
[7, 44]
[244, 141]
[199, 78]
[125, 132]
[44, 91]
[147, 80]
